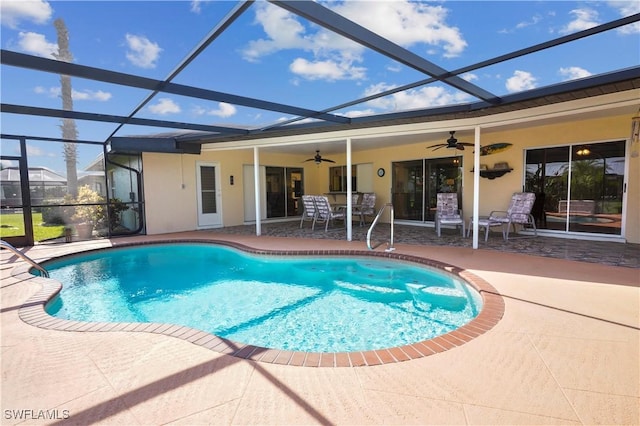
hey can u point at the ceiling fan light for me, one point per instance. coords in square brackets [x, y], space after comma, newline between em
[583, 151]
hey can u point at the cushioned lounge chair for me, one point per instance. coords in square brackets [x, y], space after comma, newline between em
[518, 213]
[367, 207]
[447, 212]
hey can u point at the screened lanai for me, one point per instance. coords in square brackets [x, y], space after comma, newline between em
[287, 77]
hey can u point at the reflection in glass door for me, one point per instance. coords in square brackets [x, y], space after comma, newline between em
[416, 184]
[283, 188]
[294, 191]
[592, 174]
[276, 192]
[407, 182]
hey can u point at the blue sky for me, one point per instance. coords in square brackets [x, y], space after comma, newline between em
[272, 55]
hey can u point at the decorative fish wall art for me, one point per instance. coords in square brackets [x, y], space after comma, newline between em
[494, 148]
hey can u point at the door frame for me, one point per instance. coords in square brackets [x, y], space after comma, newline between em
[209, 220]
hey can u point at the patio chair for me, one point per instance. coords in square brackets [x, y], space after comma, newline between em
[518, 213]
[309, 209]
[325, 213]
[367, 206]
[447, 212]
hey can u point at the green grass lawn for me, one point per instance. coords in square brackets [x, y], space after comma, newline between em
[12, 225]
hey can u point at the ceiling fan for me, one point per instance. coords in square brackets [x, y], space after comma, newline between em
[318, 158]
[452, 143]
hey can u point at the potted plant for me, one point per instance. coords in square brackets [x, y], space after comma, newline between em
[86, 216]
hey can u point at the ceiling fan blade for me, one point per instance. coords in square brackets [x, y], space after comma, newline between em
[438, 146]
[460, 147]
[327, 160]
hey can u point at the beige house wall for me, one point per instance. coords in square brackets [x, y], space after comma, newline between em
[170, 185]
[170, 180]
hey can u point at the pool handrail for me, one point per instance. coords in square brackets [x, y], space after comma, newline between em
[375, 222]
[24, 257]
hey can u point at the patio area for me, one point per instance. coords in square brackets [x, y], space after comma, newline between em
[565, 351]
[602, 252]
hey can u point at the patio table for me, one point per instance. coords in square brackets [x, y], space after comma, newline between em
[484, 222]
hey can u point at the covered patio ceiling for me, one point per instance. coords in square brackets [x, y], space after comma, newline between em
[475, 100]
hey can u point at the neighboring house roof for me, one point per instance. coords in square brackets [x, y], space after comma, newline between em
[36, 174]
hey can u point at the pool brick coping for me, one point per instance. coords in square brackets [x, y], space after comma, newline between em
[33, 313]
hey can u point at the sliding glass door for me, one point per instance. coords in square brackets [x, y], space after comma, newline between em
[416, 184]
[582, 186]
[281, 191]
[284, 188]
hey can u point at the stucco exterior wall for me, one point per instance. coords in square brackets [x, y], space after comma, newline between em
[169, 207]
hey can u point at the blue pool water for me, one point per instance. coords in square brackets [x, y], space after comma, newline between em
[316, 304]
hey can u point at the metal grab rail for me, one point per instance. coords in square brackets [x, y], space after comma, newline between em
[373, 225]
[24, 257]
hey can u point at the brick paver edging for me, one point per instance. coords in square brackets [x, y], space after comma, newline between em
[33, 312]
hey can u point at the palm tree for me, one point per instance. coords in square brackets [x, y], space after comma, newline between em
[69, 130]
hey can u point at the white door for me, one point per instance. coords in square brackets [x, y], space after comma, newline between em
[209, 195]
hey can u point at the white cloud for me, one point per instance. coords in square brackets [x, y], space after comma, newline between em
[36, 44]
[627, 8]
[142, 52]
[84, 95]
[424, 97]
[34, 151]
[394, 68]
[223, 110]
[90, 95]
[572, 73]
[282, 29]
[583, 19]
[359, 113]
[164, 106]
[196, 6]
[469, 77]
[407, 23]
[333, 57]
[534, 20]
[14, 11]
[521, 80]
[326, 70]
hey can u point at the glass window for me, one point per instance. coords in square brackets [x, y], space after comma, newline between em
[338, 178]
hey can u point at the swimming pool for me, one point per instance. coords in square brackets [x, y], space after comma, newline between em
[302, 303]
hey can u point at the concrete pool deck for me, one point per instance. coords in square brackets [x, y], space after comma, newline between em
[565, 352]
